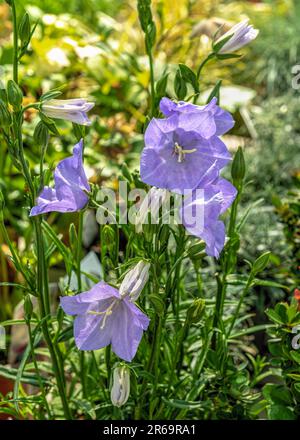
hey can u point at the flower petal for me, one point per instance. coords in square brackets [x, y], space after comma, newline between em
[127, 331]
[79, 304]
[88, 333]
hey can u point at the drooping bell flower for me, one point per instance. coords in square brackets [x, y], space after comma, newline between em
[181, 148]
[71, 186]
[216, 197]
[106, 316]
[241, 34]
[74, 110]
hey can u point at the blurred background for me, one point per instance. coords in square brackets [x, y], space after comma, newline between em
[95, 48]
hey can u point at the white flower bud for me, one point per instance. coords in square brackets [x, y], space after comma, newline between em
[2, 338]
[135, 280]
[241, 34]
[121, 386]
[74, 110]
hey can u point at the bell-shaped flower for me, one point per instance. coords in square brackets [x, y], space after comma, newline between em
[120, 389]
[74, 110]
[71, 186]
[241, 34]
[135, 280]
[103, 317]
[216, 196]
[179, 150]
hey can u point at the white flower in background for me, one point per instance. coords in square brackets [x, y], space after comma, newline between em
[241, 34]
[57, 56]
[155, 198]
[135, 280]
[74, 110]
[121, 386]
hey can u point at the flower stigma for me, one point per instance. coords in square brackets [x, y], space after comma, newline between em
[181, 152]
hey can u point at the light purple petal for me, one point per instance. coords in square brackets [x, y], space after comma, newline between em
[70, 171]
[201, 122]
[229, 193]
[68, 195]
[79, 304]
[214, 238]
[127, 332]
[88, 333]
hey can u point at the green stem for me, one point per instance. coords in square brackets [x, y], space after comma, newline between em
[55, 358]
[152, 84]
[78, 253]
[237, 310]
[42, 278]
[79, 284]
[199, 70]
[35, 363]
[15, 37]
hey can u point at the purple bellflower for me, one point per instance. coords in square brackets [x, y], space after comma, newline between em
[74, 110]
[71, 186]
[217, 196]
[106, 316]
[180, 148]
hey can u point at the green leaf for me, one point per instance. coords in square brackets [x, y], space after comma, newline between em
[161, 85]
[36, 338]
[215, 93]
[189, 76]
[269, 283]
[183, 404]
[65, 252]
[17, 322]
[179, 86]
[295, 355]
[261, 262]
[274, 316]
[250, 330]
[281, 412]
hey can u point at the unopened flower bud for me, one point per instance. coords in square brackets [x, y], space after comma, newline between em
[25, 30]
[135, 280]
[28, 308]
[238, 168]
[121, 386]
[15, 95]
[41, 134]
[2, 338]
[196, 250]
[196, 310]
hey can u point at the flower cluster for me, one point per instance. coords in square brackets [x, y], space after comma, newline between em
[183, 152]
